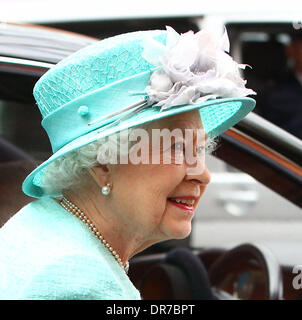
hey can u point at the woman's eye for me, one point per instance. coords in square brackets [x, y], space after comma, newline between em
[178, 146]
[200, 149]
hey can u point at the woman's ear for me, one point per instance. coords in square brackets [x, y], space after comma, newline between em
[100, 174]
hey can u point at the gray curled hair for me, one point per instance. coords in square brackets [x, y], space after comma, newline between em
[71, 169]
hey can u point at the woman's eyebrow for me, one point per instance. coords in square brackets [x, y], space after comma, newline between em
[185, 124]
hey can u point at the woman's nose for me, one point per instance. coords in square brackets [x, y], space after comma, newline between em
[199, 174]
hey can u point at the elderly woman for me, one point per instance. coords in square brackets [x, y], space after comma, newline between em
[129, 119]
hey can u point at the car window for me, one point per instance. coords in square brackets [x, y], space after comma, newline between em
[20, 125]
[276, 75]
[236, 208]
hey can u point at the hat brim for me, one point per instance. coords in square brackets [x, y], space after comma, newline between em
[217, 116]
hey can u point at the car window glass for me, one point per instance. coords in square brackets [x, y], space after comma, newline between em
[236, 208]
[20, 125]
[276, 75]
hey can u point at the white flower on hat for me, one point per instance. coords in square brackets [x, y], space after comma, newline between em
[193, 67]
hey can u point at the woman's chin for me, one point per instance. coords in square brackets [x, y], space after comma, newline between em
[183, 234]
[178, 232]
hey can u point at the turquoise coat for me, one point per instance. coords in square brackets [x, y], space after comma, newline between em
[47, 253]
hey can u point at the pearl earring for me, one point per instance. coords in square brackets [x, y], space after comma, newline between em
[106, 189]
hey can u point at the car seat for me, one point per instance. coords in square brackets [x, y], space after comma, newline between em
[179, 276]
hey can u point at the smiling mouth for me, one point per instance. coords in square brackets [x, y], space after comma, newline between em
[188, 202]
[182, 203]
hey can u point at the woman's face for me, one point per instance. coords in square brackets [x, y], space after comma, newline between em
[159, 199]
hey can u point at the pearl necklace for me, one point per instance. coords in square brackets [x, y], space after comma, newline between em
[72, 208]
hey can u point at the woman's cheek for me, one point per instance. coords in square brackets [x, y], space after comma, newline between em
[172, 157]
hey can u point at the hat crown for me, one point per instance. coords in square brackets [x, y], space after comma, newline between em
[93, 67]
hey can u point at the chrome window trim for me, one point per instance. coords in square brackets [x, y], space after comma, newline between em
[26, 62]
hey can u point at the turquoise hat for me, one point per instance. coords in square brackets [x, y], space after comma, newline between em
[105, 88]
